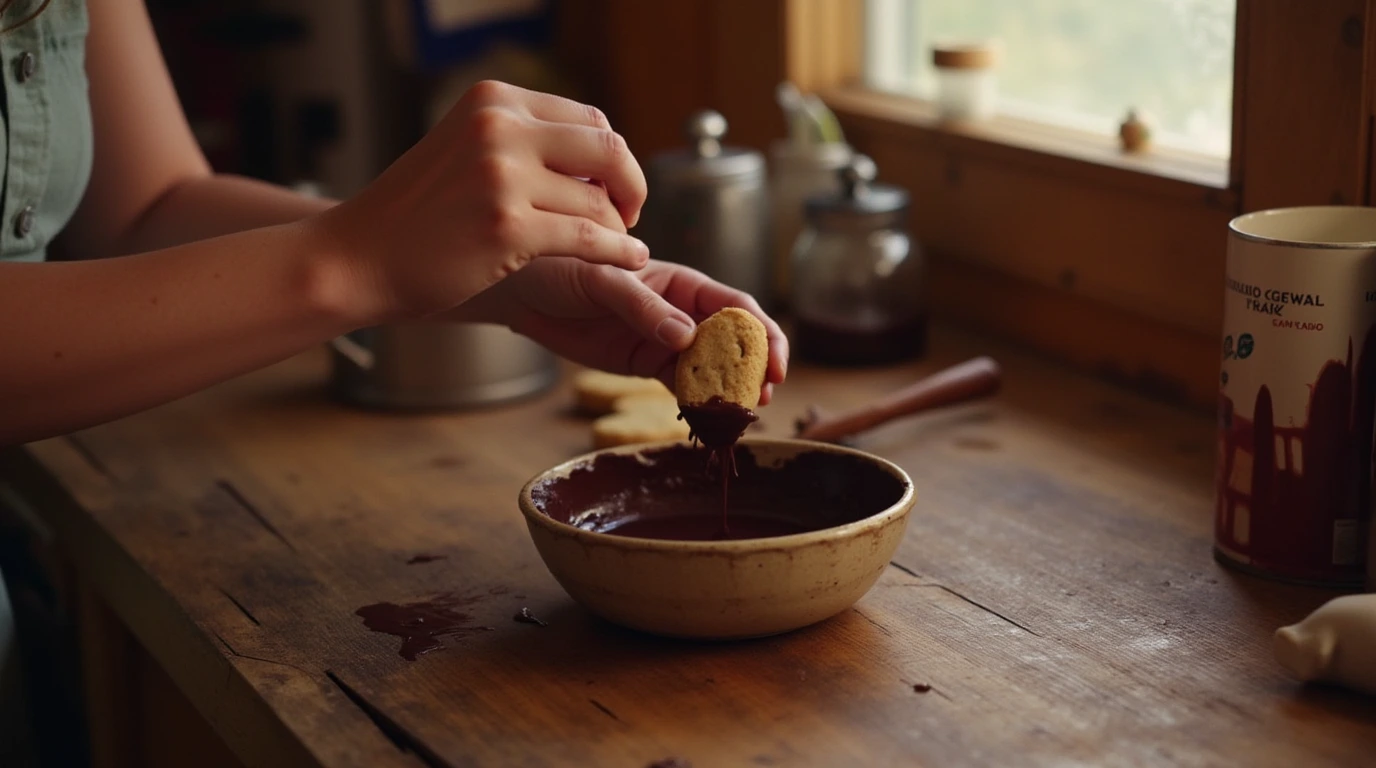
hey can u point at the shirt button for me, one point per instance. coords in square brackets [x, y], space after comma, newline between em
[23, 221]
[26, 66]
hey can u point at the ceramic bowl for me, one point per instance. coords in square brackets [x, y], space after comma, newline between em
[720, 589]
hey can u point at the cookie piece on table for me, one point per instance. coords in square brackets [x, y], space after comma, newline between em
[640, 419]
[663, 401]
[727, 360]
[598, 391]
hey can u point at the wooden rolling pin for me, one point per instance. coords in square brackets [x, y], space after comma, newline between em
[970, 380]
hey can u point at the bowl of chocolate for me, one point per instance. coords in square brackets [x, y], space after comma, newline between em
[665, 538]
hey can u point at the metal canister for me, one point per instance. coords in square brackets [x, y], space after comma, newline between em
[439, 366]
[708, 208]
[1298, 394]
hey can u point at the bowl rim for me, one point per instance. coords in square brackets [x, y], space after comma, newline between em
[896, 511]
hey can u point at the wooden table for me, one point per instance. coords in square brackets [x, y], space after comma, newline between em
[1055, 590]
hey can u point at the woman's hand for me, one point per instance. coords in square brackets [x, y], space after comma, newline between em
[631, 322]
[497, 184]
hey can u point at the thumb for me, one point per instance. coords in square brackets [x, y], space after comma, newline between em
[644, 310]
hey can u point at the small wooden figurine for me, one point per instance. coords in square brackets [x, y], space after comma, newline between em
[1335, 644]
[1134, 134]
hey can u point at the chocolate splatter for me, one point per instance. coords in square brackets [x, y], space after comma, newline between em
[421, 625]
[424, 558]
[524, 616]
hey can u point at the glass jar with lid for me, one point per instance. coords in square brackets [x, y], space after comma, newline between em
[858, 278]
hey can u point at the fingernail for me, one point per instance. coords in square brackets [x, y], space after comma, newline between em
[673, 332]
[639, 246]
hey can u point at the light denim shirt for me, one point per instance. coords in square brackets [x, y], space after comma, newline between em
[45, 144]
[45, 151]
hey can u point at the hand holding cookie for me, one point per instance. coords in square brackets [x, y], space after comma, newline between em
[615, 320]
[727, 360]
[721, 377]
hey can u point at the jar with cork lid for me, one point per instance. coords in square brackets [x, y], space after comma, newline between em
[857, 291]
[965, 81]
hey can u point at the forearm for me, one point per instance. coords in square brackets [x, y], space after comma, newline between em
[209, 206]
[88, 341]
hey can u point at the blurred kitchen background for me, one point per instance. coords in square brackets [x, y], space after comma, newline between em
[330, 91]
[1063, 119]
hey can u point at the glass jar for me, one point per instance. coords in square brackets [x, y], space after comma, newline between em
[798, 172]
[965, 81]
[857, 292]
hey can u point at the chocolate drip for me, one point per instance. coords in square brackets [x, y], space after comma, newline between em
[718, 424]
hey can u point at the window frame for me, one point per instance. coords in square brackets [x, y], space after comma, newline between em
[1137, 296]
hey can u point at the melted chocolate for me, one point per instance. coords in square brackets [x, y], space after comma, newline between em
[718, 425]
[663, 494]
[421, 625]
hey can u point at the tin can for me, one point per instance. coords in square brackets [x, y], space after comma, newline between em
[1297, 393]
[709, 209]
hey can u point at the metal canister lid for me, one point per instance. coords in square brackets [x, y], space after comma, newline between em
[861, 202]
[707, 160]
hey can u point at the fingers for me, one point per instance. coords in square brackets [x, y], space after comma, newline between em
[703, 296]
[541, 106]
[600, 154]
[568, 137]
[559, 234]
[557, 109]
[645, 311]
[557, 193]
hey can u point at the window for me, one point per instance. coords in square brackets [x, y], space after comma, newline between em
[1077, 63]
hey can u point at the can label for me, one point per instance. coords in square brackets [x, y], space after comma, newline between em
[1295, 411]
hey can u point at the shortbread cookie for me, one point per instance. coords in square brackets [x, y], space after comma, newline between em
[598, 391]
[663, 401]
[727, 360]
[639, 425]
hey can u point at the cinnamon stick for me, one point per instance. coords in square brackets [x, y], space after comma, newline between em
[970, 380]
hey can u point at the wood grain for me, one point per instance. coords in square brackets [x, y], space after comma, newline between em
[1123, 347]
[824, 41]
[1055, 590]
[1304, 123]
[1154, 253]
[665, 61]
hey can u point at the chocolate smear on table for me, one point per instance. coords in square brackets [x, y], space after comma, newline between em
[524, 616]
[424, 558]
[421, 625]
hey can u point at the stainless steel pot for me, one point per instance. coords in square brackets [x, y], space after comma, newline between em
[709, 209]
[439, 366]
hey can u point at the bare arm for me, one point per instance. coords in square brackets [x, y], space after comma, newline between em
[492, 188]
[88, 341]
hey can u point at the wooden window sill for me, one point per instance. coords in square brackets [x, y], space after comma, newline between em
[1076, 154]
[1058, 240]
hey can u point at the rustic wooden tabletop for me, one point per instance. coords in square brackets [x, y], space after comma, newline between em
[1055, 601]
